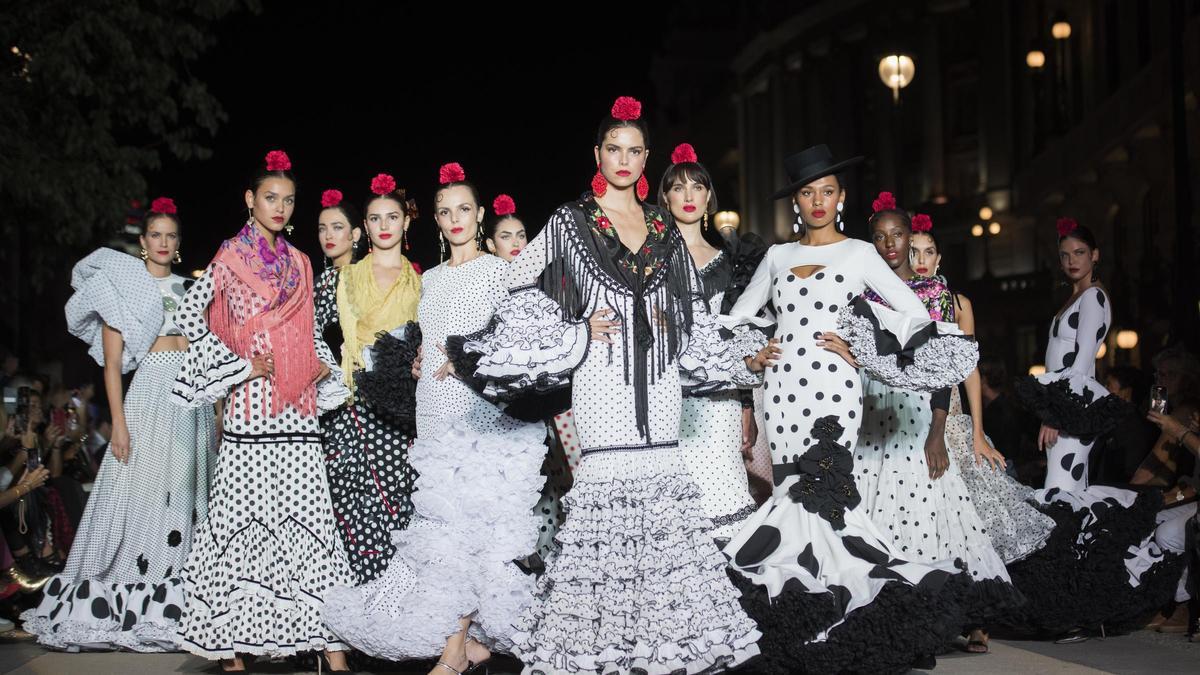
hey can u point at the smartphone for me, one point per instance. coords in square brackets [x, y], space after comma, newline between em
[58, 418]
[1158, 399]
[10, 401]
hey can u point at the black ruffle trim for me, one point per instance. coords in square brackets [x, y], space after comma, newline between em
[991, 600]
[746, 252]
[1080, 581]
[389, 388]
[1072, 414]
[902, 623]
[465, 364]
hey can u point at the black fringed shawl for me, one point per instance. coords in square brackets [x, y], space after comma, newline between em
[586, 262]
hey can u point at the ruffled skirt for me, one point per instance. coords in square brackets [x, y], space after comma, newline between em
[370, 485]
[710, 440]
[639, 584]
[269, 552]
[473, 517]
[121, 587]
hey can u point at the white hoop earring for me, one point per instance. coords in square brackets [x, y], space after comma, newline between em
[796, 224]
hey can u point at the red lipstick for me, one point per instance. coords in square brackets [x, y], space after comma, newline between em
[819, 213]
[689, 208]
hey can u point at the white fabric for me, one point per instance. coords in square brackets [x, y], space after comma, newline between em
[114, 288]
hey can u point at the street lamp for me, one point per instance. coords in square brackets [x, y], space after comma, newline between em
[985, 213]
[1038, 369]
[977, 230]
[1127, 339]
[896, 71]
[1102, 351]
[994, 228]
[724, 219]
[1035, 59]
[1061, 30]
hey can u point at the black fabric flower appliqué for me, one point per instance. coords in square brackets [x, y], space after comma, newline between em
[826, 486]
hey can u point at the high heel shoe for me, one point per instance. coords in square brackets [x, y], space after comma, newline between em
[323, 659]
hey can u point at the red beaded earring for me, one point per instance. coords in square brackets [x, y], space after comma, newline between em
[643, 188]
[599, 183]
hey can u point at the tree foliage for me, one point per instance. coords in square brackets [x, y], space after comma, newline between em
[94, 96]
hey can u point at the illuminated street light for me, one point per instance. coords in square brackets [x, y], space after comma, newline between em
[994, 228]
[896, 71]
[985, 213]
[977, 230]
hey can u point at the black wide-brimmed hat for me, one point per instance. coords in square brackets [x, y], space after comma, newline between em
[808, 165]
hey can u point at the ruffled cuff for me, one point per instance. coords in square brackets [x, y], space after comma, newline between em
[895, 350]
[712, 363]
[209, 371]
[386, 384]
[529, 347]
[1067, 402]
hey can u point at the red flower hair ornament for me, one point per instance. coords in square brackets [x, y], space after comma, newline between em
[883, 202]
[331, 198]
[451, 173]
[277, 160]
[627, 109]
[684, 152]
[503, 205]
[383, 184]
[1066, 226]
[922, 223]
[163, 205]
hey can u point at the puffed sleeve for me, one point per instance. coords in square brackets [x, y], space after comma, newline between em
[901, 346]
[530, 345]
[113, 289]
[715, 358]
[210, 368]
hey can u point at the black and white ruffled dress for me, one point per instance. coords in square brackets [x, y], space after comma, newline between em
[478, 481]
[121, 588]
[1101, 567]
[830, 591]
[639, 584]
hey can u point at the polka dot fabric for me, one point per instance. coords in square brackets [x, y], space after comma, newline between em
[269, 551]
[786, 549]
[370, 479]
[121, 588]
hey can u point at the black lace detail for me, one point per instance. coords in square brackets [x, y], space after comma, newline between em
[389, 388]
[826, 486]
[1072, 414]
[745, 252]
[735, 517]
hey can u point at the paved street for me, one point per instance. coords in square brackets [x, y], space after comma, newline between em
[1143, 652]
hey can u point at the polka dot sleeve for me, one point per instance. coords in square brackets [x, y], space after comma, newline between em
[210, 368]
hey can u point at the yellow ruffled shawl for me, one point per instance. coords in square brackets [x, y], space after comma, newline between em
[365, 310]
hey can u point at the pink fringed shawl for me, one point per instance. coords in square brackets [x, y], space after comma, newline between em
[283, 278]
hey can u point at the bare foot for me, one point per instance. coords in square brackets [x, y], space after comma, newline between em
[337, 661]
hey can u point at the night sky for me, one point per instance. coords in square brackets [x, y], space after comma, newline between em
[362, 89]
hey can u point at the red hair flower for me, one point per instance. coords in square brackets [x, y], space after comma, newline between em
[503, 205]
[277, 160]
[1066, 226]
[331, 198]
[922, 223]
[883, 202]
[684, 152]
[383, 184]
[163, 205]
[626, 109]
[451, 173]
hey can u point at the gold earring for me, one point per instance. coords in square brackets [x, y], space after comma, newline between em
[178, 257]
[289, 227]
[144, 254]
[705, 219]
[441, 247]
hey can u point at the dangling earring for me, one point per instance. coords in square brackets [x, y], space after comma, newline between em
[840, 225]
[249, 216]
[643, 188]
[145, 254]
[327, 262]
[441, 247]
[289, 228]
[479, 237]
[798, 225]
[599, 183]
[404, 239]
[178, 257]
[704, 218]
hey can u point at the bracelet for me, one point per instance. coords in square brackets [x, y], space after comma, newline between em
[1183, 436]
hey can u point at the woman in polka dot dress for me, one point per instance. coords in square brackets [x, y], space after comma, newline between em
[830, 591]
[452, 590]
[366, 448]
[121, 588]
[713, 428]
[1102, 570]
[269, 551]
[910, 488]
[606, 295]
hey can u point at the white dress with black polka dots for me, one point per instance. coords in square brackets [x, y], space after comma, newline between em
[269, 551]
[121, 588]
[710, 439]
[473, 506]
[638, 585]
[798, 557]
